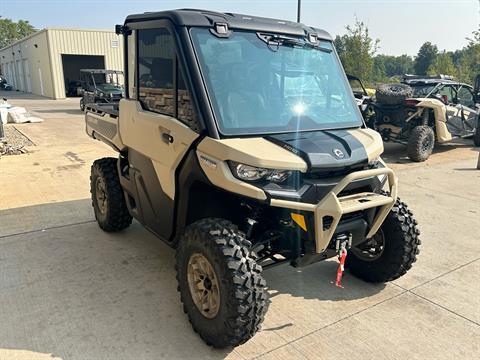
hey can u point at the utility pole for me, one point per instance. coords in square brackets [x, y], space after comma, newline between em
[299, 5]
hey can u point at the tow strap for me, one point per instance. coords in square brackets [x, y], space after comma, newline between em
[341, 268]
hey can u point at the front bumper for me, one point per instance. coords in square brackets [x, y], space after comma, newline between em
[328, 212]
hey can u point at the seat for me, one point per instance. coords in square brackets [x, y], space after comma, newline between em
[245, 105]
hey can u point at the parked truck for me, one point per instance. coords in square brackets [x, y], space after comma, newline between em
[241, 146]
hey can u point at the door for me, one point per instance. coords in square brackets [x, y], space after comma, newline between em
[19, 67]
[13, 79]
[40, 79]
[454, 110]
[28, 80]
[466, 99]
[89, 93]
[156, 138]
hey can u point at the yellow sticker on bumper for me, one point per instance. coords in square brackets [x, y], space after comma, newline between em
[299, 220]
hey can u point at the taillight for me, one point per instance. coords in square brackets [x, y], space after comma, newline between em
[411, 102]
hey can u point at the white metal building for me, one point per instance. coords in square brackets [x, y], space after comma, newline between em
[45, 62]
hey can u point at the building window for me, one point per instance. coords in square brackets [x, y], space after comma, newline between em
[156, 57]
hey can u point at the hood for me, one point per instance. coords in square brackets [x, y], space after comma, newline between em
[330, 149]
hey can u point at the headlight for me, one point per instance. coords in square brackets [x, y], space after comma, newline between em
[253, 173]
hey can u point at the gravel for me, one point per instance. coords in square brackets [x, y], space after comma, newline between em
[14, 142]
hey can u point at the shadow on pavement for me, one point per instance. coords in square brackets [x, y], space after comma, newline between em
[317, 281]
[59, 111]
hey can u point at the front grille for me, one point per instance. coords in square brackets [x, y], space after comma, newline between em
[333, 173]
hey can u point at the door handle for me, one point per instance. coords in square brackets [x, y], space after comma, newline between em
[167, 138]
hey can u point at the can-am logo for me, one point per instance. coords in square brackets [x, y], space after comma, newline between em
[338, 153]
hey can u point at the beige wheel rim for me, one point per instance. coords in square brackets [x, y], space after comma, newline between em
[203, 285]
[101, 196]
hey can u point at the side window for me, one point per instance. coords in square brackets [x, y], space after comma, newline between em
[465, 97]
[185, 107]
[156, 56]
[448, 92]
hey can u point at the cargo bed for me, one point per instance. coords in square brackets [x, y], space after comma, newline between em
[102, 124]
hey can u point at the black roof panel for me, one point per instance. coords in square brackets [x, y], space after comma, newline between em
[206, 18]
[432, 82]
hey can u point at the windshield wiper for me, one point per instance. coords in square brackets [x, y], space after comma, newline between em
[282, 40]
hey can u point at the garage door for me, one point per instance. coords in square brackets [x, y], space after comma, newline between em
[73, 63]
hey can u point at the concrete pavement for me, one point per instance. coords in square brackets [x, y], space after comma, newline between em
[70, 291]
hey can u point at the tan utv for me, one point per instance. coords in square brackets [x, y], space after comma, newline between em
[241, 146]
[424, 110]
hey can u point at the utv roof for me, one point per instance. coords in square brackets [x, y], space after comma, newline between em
[206, 18]
[101, 71]
[429, 80]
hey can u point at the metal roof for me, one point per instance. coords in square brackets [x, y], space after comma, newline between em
[38, 32]
[206, 18]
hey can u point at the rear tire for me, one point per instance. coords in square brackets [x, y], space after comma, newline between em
[400, 248]
[242, 303]
[420, 143]
[108, 199]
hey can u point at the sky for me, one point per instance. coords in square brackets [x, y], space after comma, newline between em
[401, 26]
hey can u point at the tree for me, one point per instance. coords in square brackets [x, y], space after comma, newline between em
[469, 64]
[11, 31]
[356, 50]
[379, 73]
[425, 58]
[442, 64]
[396, 65]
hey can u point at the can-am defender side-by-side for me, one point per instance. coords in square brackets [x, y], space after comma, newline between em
[100, 86]
[424, 110]
[240, 145]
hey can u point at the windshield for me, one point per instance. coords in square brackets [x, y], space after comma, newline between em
[109, 87]
[259, 88]
[110, 79]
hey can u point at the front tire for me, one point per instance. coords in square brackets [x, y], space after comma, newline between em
[391, 252]
[420, 143]
[108, 200]
[82, 104]
[226, 301]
